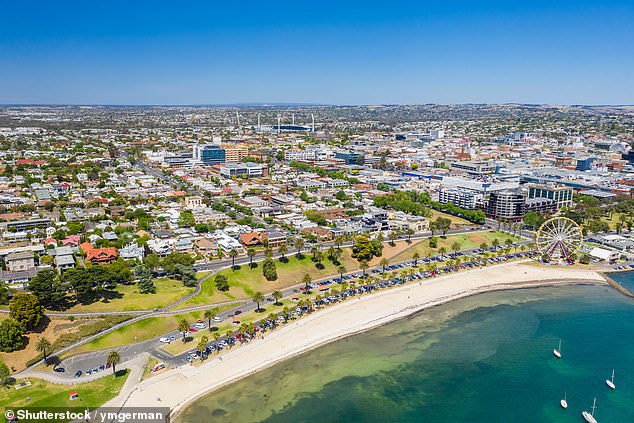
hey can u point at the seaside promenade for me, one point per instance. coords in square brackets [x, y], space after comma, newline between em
[177, 387]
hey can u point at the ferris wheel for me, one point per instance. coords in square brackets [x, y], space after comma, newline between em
[559, 238]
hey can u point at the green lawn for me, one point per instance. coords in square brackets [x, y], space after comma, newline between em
[140, 331]
[467, 241]
[45, 394]
[455, 220]
[246, 281]
[167, 291]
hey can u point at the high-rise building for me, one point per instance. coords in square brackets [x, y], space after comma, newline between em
[235, 154]
[211, 154]
[461, 198]
[560, 194]
[509, 205]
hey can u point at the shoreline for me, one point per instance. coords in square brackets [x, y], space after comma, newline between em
[180, 386]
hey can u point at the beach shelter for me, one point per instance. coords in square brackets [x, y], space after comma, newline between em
[73, 395]
[236, 320]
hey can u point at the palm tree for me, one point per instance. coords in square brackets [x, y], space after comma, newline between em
[299, 244]
[202, 346]
[268, 252]
[313, 251]
[409, 232]
[495, 243]
[216, 336]
[364, 266]
[341, 269]
[233, 254]
[393, 235]
[306, 280]
[183, 328]
[44, 346]
[338, 242]
[442, 251]
[113, 359]
[221, 254]
[455, 247]
[285, 312]
[283, 249]
[416, 256]
[277, 295]
[484, 246]
[210, 314]
[257, 298]
[251, 253]
[319, 257]
[384, 263]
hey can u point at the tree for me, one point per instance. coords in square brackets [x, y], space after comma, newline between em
[299, 244]
[338, 241]
[442, 251]
[251, 253]
[393, 236]
[216, 336]
[341, 269]
[409, 232]
[202, 346]
[10, 335]
[384, 263]
[319, 257]
[4, 373]
[25, 309]
[46, 287]
[209, 315]
[44, 346]
[416, 256]
[183, 328]
[268, 252]
[455, 247]
[4, 293]
[222, 283]
[443, 224]
[277, 295]
[532, 219]
[283, 250]
[152, 261]
[114, 358]
[585, 258]
[187, 274]
[146, 282]
[233, 254]
[362, 249]
[269, 269]
[364, 266]
[495, 243]
[186, 219]
[306, 280]
[257, 298]
[484, 246]
[433, 242]
[313, 251]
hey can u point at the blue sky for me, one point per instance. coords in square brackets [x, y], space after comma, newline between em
[335, 52]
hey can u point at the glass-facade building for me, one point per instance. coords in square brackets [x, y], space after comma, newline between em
[212, 154]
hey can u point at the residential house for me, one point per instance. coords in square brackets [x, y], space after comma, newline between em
[275, 239]
[20, 261]
[251, 239]
[132, 251]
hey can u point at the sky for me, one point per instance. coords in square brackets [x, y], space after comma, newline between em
[325, 52]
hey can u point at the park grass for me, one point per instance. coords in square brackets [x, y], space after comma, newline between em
[467, 241]
[141, 330]
[266, 308]
[167, 291]
[245, 281]
[45, 394]
[455, 220]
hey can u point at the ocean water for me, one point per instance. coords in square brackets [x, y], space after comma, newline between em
[625, 279]
[486, 358]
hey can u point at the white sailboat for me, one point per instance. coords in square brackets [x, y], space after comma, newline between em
[589, 417]
[564, 402]
[610, 382]
[557, 351]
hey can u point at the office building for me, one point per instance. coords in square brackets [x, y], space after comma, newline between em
[507, 205]
[561, 195]
[212, 154]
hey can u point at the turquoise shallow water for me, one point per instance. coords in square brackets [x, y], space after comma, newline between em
[625, 279]
[486, 358]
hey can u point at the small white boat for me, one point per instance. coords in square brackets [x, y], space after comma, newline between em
[564, 402]
[589, 417]
[557, 351]
[610, 382]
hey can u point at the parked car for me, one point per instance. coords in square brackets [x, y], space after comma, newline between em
[60, 369]
[217, 319]
[78, 373]
[165, 340]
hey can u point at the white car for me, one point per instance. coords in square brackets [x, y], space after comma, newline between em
[165, 340]
[200, 325]
[194, 356]
[217, 319]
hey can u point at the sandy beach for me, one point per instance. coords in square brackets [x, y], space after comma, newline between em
[177, 387]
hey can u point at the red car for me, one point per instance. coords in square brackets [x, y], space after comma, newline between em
[193, 330]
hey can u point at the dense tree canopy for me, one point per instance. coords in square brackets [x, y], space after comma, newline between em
[26, 310]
